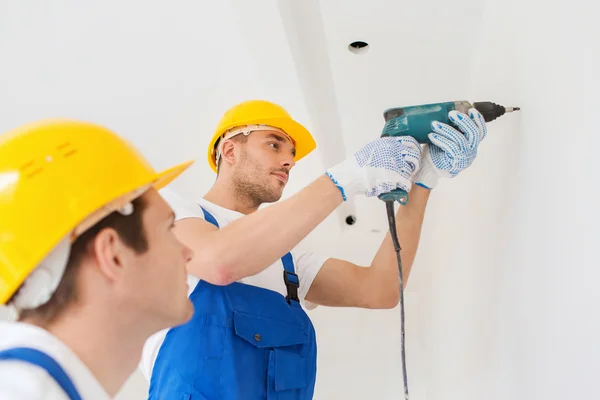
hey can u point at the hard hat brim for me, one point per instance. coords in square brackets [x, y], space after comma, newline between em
[167, 176]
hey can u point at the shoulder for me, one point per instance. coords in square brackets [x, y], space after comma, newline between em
[304, 257]
[22, 381]
[182, 206]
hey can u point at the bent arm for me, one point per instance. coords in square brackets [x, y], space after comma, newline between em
[341, 283]
[250, 244]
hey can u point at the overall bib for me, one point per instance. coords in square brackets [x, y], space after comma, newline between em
[243, 342]
[44, 361]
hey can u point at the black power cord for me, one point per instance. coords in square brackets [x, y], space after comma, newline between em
[389, 204]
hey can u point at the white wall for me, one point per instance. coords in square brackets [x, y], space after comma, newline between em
[501, 301]
[508, 310]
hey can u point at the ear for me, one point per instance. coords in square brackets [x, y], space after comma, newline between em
[111, 253]
[228, 152]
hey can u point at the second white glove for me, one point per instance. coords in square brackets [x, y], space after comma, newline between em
[381, 166]
[451, 150]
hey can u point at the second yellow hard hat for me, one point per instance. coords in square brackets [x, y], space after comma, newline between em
[58, 177]
[262, 112]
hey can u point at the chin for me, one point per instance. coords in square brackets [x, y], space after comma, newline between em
[272, 199]
[278, 192]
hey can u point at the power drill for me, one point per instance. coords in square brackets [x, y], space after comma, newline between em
[416, 121]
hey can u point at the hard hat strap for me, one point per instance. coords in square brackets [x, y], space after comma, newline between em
[245, 130]
[42, 282]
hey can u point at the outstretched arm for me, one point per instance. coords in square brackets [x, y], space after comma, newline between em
[250, 244]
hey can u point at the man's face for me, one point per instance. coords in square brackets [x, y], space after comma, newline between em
[158, 279]
[264, 164]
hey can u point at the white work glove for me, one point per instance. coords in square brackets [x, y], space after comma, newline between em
[451, 150]
[379, 167]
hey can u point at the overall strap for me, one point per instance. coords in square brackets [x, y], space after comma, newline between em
[209, 217]
[44, 361]
[290, 278]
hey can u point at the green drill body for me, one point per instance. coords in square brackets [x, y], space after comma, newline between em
[416, 121]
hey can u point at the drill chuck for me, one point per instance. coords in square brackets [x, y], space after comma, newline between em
[491, 111]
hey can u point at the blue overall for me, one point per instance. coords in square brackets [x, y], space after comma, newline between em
[243, 342]
[44, 361]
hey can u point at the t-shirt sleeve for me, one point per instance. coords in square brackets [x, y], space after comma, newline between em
[308, 264]
[182, 207]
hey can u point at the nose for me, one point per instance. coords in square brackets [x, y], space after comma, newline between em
[288, 161]
[187, 253]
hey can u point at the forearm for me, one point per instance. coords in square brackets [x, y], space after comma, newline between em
[383, 274]
[248, 245]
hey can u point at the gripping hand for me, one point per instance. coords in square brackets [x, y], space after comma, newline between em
[381, 166]
[451, 150]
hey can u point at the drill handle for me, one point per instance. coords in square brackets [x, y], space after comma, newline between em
[398, 195]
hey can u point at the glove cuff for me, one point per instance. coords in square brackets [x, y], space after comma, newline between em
[426, 177]
[348, 177]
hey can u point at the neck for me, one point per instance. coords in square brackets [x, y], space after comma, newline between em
[105, 342]
[224, 194]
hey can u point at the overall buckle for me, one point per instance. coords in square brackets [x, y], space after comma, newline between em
[292, 283]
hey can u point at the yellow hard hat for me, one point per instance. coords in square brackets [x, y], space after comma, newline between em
[58, 178]
[261, 112]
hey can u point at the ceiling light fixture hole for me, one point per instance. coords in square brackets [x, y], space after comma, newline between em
[359, 47]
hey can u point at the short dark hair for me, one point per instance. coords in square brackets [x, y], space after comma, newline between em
[130, 229]
[241, 138]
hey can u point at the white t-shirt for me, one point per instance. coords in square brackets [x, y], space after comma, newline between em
[306, 266]
[23, 381]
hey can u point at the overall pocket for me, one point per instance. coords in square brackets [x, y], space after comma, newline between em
[277, 348]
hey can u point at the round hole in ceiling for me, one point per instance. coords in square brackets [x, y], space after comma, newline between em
[358, 47]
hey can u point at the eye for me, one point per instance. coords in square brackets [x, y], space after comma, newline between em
[274, 144]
